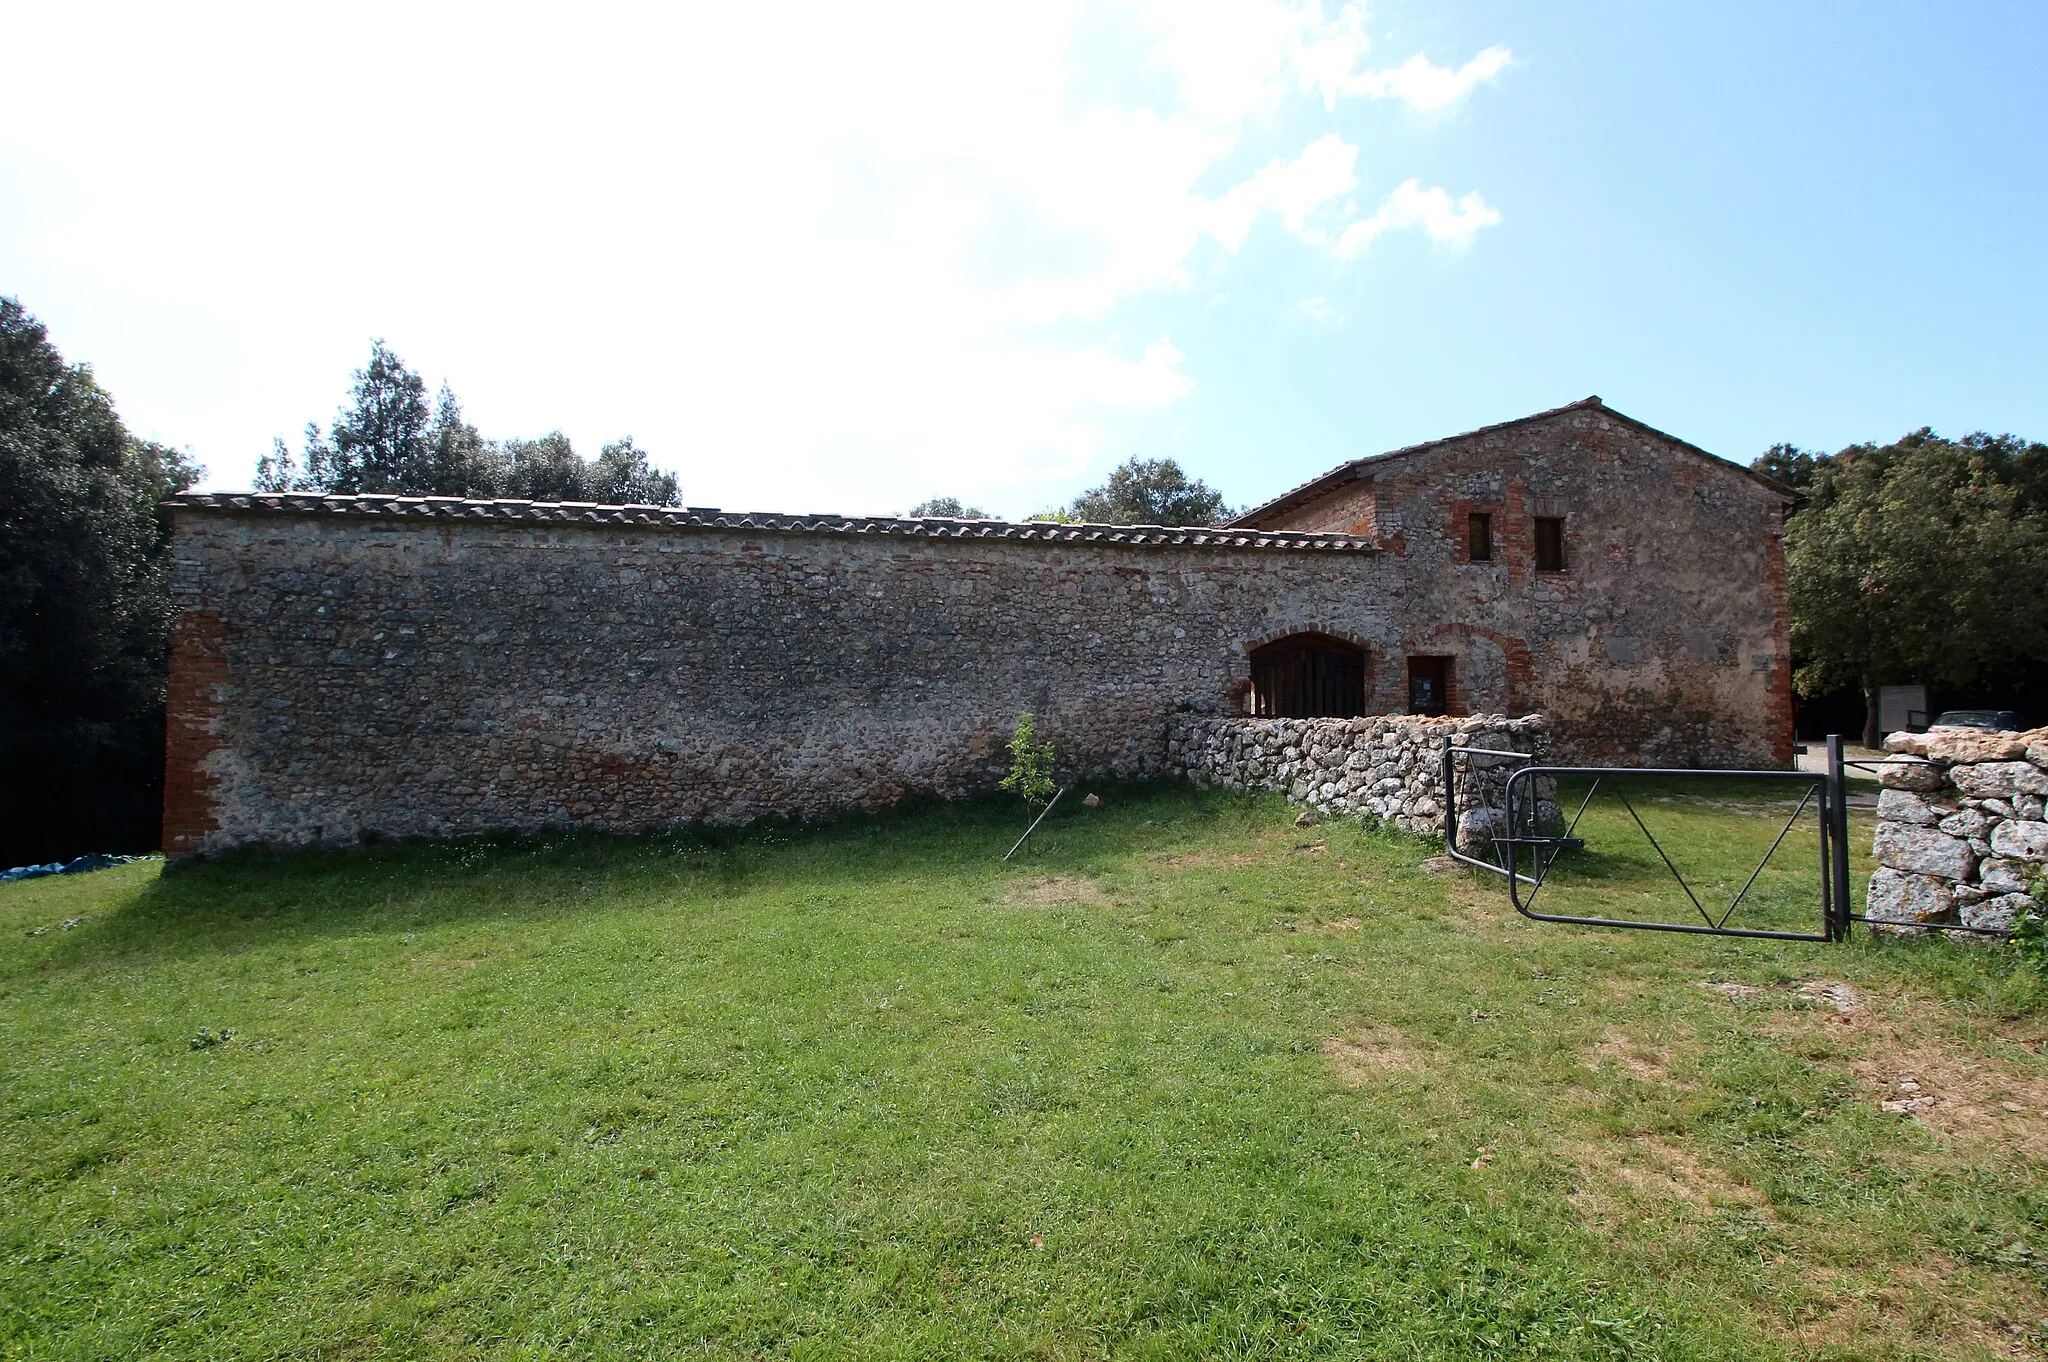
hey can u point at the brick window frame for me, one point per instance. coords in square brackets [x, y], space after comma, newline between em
[1479, 542]
[1432, 677]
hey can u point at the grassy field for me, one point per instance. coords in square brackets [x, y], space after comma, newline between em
[1188, 1081]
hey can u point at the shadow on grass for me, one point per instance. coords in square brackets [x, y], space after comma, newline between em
[256, 898]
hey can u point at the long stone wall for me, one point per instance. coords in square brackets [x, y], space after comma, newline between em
[1962, 831]
[431, 669]
[1389, 767]
[430, 666]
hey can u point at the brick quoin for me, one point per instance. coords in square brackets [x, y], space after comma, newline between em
[198, 681]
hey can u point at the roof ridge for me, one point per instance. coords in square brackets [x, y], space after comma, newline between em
[403, 506]
[1588, 403]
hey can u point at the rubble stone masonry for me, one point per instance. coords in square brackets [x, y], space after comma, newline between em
[432, 667]
[1962, 837]
[1388, 767]
[408, 672]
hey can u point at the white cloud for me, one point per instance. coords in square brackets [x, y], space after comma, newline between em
[1450, 223]
[1318, 310]
[1418, 82]
[865, 251]
[1293, 189]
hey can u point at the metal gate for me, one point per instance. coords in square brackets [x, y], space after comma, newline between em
[1527, 836]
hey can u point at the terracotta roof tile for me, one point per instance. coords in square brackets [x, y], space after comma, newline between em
[767, 522]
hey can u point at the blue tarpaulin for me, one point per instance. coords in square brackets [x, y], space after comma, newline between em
[94, 861]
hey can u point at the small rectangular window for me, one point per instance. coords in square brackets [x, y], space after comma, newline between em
[1429, 685]
[1549, 544]
[1479, 537]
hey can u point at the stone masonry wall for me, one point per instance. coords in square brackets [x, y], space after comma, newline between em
[340, 674]
[1389, 767]
[1665, 639]
[1962, 829]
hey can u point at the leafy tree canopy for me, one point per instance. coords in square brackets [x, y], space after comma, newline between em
[84, 606]
[1925, 560]
[1789, 465]
[1150, 492]
[949, 508]
[388, 439]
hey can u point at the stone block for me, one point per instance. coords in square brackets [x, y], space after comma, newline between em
[1997, 914]
[2001, 876]
[2021, 840]
[1958, 746]
[1999, 779]
[1924, 851]
[1901, 898]
[1910, 773]
[1966, 824]
[1475, 824]
[1905, 806]
[1912, 744]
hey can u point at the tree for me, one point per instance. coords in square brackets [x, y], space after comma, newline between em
[464, 463]
[621, 476]
[949, 508]
[1924, 560]
[388, 440]
[1789, 465]
[1151, 492]
[84, 607]
[1031, 763]
[380, 441]
[546, 469]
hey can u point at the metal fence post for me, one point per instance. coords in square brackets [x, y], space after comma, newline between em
[1838, 841]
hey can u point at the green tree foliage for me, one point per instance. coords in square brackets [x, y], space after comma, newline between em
[381, 441]
[1925, 561]
[388, 439]
[951, 508]
[621, 475]
[546, 469]
[1151, 492]
[1030, 764]
[84, 607]
[464, 463]
[1789, 465]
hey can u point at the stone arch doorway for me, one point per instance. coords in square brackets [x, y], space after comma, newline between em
[1308, 676]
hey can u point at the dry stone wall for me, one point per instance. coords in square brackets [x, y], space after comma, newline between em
[1389, 767]
[1962, 831]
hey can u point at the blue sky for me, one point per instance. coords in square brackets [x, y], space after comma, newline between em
[818, 259]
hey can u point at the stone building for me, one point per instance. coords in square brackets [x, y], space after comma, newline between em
[434, 666]
[1580, 563]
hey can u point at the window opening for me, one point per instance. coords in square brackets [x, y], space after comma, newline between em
[1549, 544]
[1429, 685]
[1479, 537]
[1308, 676]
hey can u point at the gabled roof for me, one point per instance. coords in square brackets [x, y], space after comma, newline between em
[1346, 472]
[711, 518]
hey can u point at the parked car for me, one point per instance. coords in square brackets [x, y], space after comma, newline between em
[1990, 720]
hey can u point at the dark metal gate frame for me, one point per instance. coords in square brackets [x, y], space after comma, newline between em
[1829, 787]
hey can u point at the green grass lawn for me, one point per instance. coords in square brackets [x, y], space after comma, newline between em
[1186, 1081]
